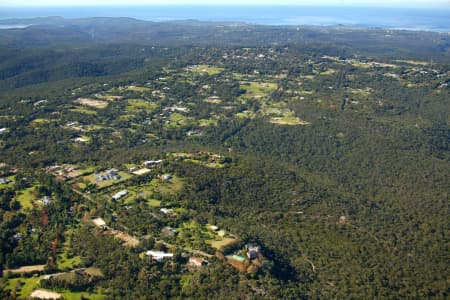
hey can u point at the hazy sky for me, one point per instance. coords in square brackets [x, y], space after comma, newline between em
[384, 3]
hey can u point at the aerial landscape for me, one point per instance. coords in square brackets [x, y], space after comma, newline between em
[185, 151]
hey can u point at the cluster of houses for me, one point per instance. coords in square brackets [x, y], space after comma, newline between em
[75, 126]
[161, 256]
[64, 172]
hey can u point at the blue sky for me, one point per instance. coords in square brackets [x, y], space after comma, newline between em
[376, 3]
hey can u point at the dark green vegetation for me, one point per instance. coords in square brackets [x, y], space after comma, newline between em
[319, 145]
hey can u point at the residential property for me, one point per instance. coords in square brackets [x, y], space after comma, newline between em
[119, 195]
[152, 162]
[159, 255]
[168, 231]
[4, 181]
[111, 174]
[45, 200]
[18, 236]
[237, 261]
[3, 130]
[99, 222]
[141, 172]
[252, 251]
[166, 211]
[197, 261]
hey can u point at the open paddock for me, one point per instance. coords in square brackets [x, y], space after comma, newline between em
[27, 269]
[92, 102]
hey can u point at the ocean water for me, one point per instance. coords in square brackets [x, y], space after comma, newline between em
[394, 18]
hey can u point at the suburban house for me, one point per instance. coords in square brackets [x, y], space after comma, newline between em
[4, 181]
[252, 251]
[99, 222]
[18, 236]
[159, 255]
[197, 261]
[152, 162]
[168, 231]
[167, 211]
[119, 195]
[111, 174]
[45, 200]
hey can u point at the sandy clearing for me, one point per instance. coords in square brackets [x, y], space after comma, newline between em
[27, 269]
[43, 294]
[92, 102]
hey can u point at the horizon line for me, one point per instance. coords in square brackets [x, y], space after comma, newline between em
[447, 7]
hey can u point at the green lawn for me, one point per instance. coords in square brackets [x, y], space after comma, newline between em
[83, 110]
[94, 127]
[210, 70]
[26, 197]
[169, 187]
[40, 121]
[30, 284]
[154, 203]
[77, 295]
[177, 119]
[257, 89]
[139, 89]
[193, 235]
[220, 243]
[208, 122]
[135, 105]
[86, 170]
[64, 263]
[288, 120]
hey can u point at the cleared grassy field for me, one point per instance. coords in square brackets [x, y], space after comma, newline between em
[288, 120]
[28, 285]
[40, 121]
[154, 203]
[26, 197]
[177, 120]
[92, 102]
[83, 110]
[64, 263]
[210, 70]
[257, 90]
[221, 243]
[414, 62]
[208, 122]
[94, 127]
[68, 295]
[328, 72]
[169, 187]
[135, 105]
[139, 89]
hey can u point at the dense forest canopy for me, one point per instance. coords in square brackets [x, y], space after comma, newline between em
[262, 161]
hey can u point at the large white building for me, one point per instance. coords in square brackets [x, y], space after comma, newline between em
[159, 255]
